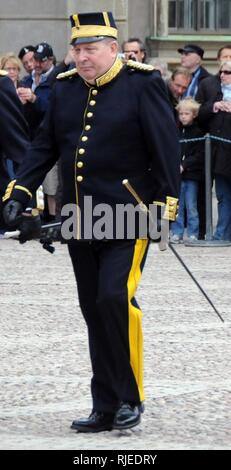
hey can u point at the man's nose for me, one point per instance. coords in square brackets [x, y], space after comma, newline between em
[82, 56]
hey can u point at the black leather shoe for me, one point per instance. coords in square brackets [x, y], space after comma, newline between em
[127, 416]
[96, 422]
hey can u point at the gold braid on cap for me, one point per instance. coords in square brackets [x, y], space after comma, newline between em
[87, 31]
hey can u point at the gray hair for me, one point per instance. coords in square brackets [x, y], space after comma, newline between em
[226, 62]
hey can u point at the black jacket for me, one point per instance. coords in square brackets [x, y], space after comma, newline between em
[13, 129]
[208, 92]
[203, 74]
[122, 127]
[192, 153]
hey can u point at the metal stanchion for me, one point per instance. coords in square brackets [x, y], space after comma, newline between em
[208, 203]
[208, 190]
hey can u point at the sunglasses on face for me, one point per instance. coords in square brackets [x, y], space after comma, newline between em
[225, 72]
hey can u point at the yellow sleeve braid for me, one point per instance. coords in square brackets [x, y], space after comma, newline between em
[9, 190]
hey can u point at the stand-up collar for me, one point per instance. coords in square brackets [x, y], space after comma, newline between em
[110, 74]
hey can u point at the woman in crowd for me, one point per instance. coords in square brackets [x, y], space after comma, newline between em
[12, 65]
[215, 116]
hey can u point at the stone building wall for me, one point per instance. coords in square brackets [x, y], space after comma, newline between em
[31, 21]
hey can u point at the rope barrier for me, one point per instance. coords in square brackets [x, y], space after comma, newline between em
[212, 137]
[196, 139]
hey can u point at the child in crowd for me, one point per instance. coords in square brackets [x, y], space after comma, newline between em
[191, 168]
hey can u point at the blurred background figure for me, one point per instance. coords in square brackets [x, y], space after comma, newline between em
[134, 49]
[162, 66]
[12, 65]
[177, 86]
[26, 55]
[35, 96]
[215, 117]
[191, 59]
[192, 171]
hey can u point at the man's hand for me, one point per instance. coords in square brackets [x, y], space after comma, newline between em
[29, 225]
[26, 95]
[12, 213]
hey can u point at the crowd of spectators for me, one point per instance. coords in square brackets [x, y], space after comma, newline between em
[201, 103]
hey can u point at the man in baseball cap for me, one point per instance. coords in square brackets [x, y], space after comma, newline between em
[26, 55]
[191, 48]
[43, 51]
[191, 59]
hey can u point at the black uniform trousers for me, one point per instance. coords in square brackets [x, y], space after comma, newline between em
[107, 275]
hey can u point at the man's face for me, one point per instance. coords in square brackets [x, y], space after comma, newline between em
[95, 58]
[178, 85]
[12, 69]
[132, 51]
[28, 61]
[41, 67]
[190, 60]
[225, 55]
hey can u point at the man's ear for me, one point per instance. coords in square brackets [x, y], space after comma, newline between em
[114, 47]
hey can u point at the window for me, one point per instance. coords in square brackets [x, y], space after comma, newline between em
[199, 15]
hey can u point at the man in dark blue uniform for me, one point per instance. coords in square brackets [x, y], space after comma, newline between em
[107, 122]
[14, 134]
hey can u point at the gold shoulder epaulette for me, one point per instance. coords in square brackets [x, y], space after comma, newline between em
[140, 66]
[3, 73]
[67, 74]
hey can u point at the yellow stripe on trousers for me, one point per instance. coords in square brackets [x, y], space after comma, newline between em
[135, 317]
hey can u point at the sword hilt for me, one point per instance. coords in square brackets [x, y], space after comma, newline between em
[131, 190]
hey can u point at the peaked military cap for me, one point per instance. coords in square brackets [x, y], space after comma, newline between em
[92, 27]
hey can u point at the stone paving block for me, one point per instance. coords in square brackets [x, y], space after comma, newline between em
[44, 363]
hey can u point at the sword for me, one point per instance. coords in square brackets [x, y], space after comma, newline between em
[162, 244]
[142, 205]
[194, 279]
[16, 233]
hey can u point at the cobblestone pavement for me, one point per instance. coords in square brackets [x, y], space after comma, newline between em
[44, 363]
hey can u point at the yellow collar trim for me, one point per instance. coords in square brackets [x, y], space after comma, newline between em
[87, 31]
[110, 74]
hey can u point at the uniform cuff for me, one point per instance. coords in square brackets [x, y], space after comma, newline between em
[167, 210]
[17, 192]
